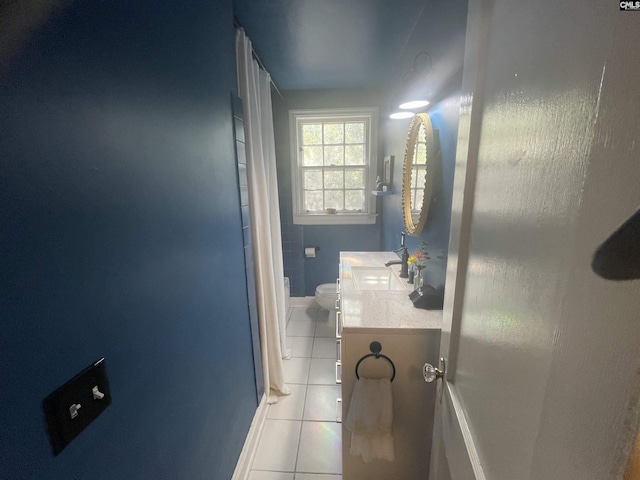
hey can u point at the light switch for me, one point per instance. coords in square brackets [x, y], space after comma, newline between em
[97, 394]
[73, 406]
[73, 410]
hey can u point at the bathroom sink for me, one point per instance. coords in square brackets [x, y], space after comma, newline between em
[376, 278]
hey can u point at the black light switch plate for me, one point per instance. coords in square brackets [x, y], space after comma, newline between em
[73, 406]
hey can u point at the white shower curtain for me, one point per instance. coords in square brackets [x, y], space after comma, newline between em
[254, 86]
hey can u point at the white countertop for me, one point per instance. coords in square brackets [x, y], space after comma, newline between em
[371, 310]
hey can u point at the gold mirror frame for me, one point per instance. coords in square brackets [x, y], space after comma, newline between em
[420, 120]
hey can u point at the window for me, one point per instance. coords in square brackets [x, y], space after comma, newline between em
[334, 159]
[418, 171]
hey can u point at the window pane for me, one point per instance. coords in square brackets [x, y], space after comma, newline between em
[417, 205]
[354, 155]
[418, 176]
[333, 179]
[420, 157]
[354, 200]
[313, 201]
[354, 132]
[334, 155]
[312, 156]
[311, 134]
[334, 199]
[333, 133]
[354, 179]
[312, 179]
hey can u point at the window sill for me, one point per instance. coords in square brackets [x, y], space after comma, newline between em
[335, 219]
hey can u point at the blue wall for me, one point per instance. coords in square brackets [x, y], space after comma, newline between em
[307, 273]
[444, 117]
[444, 40]
[121, 237]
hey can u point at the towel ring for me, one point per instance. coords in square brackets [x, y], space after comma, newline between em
[376, 348]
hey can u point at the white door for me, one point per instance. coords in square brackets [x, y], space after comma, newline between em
[542, 377]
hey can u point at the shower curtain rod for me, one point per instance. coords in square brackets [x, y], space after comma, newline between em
[257, 59]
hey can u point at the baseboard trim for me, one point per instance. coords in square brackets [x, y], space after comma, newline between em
[243, 467]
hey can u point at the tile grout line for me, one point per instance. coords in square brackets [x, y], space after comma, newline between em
[296, 472]
[295, 467]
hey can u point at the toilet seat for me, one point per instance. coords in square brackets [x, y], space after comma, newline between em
[326, 290]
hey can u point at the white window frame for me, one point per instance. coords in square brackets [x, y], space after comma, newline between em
[296, 119]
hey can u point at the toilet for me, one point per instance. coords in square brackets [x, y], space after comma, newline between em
[326, 296]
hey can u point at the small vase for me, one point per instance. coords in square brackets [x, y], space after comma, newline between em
[417, 279]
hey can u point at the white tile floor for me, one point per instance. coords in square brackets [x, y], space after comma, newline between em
[301, 439]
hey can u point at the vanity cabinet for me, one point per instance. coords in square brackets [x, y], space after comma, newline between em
[410, 338]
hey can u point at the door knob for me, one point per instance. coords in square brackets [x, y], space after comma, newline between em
[431, 373]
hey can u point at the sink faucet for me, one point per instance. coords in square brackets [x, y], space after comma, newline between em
[404, 260]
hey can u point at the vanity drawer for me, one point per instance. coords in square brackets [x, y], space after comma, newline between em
[338, 325]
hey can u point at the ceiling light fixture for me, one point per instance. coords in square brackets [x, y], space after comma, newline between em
[413, 104]
[401, 115]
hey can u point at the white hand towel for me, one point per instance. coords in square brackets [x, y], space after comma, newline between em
[370, 419]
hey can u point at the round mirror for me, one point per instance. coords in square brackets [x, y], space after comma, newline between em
[417, 177]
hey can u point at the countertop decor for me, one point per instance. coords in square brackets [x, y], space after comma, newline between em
[372, 310]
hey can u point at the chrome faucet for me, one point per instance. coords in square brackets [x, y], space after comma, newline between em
[404, 260]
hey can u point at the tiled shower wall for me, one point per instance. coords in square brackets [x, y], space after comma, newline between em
[245, 209]
[292, 235]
